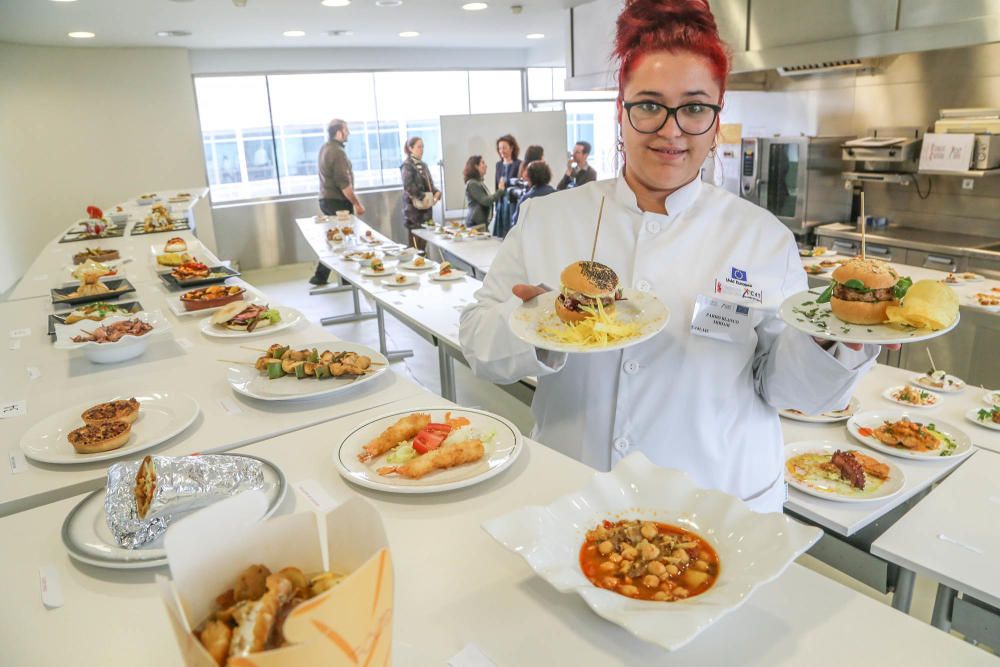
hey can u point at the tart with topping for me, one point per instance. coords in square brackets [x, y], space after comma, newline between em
[112, 411]
[102, 437]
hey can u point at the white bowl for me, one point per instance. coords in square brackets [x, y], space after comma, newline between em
[128, 347]
[753, 548]
[118, 218]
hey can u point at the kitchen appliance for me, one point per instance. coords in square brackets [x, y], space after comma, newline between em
[885, 155]
[796, 178]
[984, 123]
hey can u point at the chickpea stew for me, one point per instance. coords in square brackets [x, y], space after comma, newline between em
[648, 560]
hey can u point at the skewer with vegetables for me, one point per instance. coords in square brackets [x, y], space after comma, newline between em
[281, 360]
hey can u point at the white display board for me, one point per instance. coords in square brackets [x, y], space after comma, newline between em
[476, 134]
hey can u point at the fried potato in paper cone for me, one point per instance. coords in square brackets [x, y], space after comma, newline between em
[928, 304]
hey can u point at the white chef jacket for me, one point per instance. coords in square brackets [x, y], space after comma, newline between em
[698, 404]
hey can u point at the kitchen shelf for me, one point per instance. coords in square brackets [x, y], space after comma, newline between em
[972, 173]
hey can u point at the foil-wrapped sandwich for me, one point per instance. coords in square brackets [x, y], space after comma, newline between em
[144, 497]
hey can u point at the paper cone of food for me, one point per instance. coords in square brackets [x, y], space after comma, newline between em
[247, 593]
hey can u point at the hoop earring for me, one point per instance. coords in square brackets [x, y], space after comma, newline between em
[620, 146]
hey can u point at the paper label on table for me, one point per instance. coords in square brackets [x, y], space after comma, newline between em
[947, 152]
[20, 333]
[230, 406]
[184, 343]
[317, 496]
[52, 594]
[17, 462]
[13, 409]
[15, 344]
[34, 373]
[470, 656]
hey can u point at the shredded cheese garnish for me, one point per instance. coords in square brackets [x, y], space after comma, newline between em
[598, 330]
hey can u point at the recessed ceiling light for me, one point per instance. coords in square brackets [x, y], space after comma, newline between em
[81, 34]
[474, 6]
[409, 33]
[172, 33]
[335, 3]
[294, 33]
[63, 0]
[340, 33]
[388, 3]
[535, 35]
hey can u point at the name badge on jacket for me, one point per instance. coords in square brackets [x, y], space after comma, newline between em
[721, 320]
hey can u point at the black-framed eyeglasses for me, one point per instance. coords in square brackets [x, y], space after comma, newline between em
[648, 117]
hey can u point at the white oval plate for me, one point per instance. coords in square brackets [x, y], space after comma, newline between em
[973, 416]
[504, 449]
[826, 417]
[888, 395]
[289, 318]
[822, 270]
[371, 273]
[973, 302]
[456, 274]
[874, 418]
[816, 319]
[247, 380]
[953, 386]
[641, 307]
[162, 415]
[410, 280]
[831, 491]
[992, 398]
[87, 538]
[428, 264]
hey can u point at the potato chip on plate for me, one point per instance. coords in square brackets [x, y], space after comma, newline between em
[928, 304]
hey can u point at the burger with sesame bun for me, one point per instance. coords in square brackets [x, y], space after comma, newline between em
[583, 286]
[862, 290]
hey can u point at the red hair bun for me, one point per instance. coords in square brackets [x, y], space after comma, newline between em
[645, 26]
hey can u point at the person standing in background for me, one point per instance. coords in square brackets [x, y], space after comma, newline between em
[533, 153]
[419, 193]
[539, 179]
[507, 169]
[578, 172]
[478, 200]
[336, 183]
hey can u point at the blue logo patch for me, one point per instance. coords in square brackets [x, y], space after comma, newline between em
[738, 274]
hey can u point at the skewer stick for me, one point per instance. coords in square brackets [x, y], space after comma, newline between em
[240, 363]
[600, 214]
[864, 224]
[929, 356]
[252, 349]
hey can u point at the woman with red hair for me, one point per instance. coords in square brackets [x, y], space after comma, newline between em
[702, 396]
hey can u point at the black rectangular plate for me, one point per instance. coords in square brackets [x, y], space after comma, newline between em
[175, 284]
[57, 318]
[112, 233]
[180, 225]
[118, 287]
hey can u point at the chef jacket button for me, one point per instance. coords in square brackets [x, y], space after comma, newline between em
[622, 445]
[653, 227]
[643, 286]
[631, 367]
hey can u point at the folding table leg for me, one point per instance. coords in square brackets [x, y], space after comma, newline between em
[943, 603]
[357, 316]
[446, 369]
[903, 595]
[341, 286]
[395, 355]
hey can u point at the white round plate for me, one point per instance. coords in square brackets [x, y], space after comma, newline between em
[872, 419]
[428, 264]
[972, 278]
[87, 538]
[970, 300]
[289, 318]
[456, 274]
[367, 271]
[953, 384]
[816, 319]
[992, 398]
[501, 452]
[357, 256]
[831, 490]
[822, 270]
[826, 417]
[410, 280]
[162, 415]
[888, 395]
[641, 307]
[973, 416]
[247, 380]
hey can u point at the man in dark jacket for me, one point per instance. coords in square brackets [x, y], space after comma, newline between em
[578, 171]
[336, 183]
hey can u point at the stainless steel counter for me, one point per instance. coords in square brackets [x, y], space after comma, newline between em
[966, 245]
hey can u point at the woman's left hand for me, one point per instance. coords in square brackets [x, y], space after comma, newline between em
[855, 346]
[437, 196]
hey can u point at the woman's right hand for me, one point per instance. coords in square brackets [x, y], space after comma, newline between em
[502, 184]
[527, 292]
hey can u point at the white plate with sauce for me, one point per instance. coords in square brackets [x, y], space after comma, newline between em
[802, 473]
[861, 426]
[825, 417]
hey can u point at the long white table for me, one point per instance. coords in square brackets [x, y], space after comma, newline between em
[477, 253]
[454, 586]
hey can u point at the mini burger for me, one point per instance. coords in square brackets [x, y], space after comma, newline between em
[175, 244]
[583, 286]
[239, 316]
[862, 290]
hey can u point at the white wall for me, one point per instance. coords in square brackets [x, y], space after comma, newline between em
[82, 126]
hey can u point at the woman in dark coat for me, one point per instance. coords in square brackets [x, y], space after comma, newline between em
[507, 169]
[539, 179]
[417, 185]
[478, 200]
